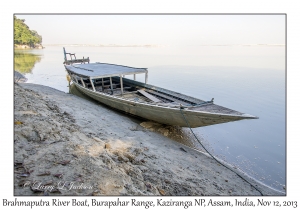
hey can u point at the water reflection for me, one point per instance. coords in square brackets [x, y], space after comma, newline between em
[24, 61]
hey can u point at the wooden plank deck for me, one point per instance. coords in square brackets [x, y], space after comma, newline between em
[167, 97]
[149, 96]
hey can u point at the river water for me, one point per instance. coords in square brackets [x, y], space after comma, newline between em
[249, 79]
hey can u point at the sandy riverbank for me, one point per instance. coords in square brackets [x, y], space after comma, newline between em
[65, 145]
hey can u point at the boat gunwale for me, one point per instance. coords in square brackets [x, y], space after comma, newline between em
[185, 110]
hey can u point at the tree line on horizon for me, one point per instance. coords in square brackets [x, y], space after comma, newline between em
[23, 35]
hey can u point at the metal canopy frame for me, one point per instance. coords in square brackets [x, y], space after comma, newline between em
[93, 71]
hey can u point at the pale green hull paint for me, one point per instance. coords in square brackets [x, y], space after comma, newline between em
[163, 115]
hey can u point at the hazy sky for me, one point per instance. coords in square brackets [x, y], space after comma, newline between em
[158, 29]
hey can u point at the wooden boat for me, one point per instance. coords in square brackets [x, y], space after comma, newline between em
[107, 84]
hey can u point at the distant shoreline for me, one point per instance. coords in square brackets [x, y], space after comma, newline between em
[104, 45]
[158, 45]
[24, 46]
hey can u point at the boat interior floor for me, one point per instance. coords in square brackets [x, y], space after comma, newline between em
[144, 95]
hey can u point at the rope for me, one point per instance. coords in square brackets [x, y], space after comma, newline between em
[214, 157]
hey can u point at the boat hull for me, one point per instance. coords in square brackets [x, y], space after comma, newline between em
[160, 114]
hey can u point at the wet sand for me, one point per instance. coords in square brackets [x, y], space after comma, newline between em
[66, 145]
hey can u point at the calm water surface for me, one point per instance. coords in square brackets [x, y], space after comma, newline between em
[246, 79]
